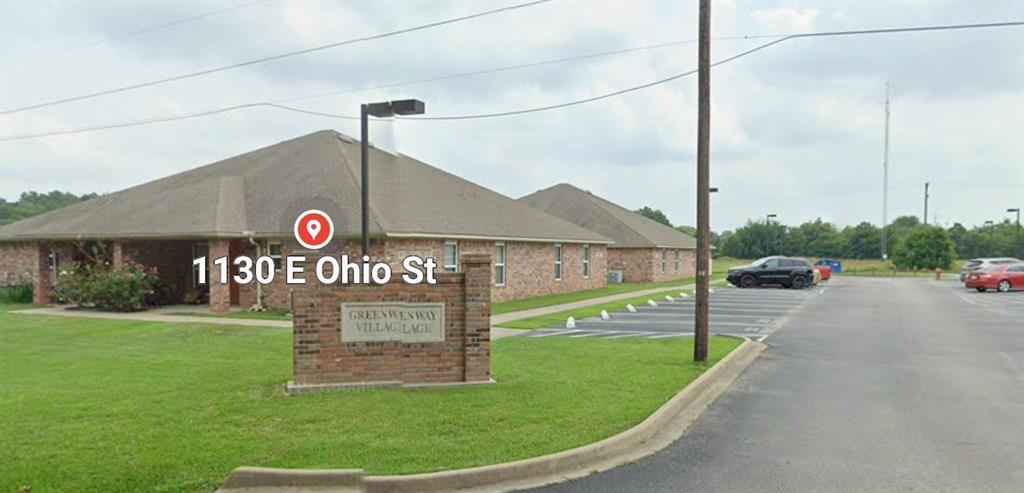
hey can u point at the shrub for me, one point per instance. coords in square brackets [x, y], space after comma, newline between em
[19, 291]
[104, 288]
[924, 247]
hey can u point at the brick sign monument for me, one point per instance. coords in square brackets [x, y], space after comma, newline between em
[394, 333]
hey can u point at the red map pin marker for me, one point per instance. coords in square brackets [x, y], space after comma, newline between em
[314, 229]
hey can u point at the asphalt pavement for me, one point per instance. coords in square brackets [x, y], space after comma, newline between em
[877, 384]
[754, 313]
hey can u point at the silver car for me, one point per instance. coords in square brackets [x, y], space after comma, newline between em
[977, 264]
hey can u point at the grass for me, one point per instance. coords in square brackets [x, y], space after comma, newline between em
[558, 318]
[558, 299]
[267, 315]
[719, 266]
[90, 405]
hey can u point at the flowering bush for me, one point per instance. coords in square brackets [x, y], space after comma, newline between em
[105, 288]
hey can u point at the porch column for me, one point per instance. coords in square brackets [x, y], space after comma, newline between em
[220, 294]
[118, 255]
[42, 278]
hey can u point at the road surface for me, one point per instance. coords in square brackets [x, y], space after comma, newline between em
[877, 384]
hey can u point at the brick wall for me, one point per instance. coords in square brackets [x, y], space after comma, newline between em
[30, 261]
[18, 261]
[644, 264]
[322, 358]
[529, 266]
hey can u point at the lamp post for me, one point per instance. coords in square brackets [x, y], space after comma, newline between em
[1016, 239]
[768, 222]
[379, 110]
[990, 226]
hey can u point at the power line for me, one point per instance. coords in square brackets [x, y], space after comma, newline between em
[271, 58]
[521, 66]
[132, 33]
[276, 104]
[720, 62]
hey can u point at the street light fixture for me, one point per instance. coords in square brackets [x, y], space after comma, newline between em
[1016, 240]
[769, 217]
[379, 110]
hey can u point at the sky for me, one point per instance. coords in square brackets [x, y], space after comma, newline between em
[796, 129]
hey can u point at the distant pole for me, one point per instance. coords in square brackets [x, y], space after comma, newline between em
[1016, 234]
[885, 177]
[925, 217]
[364, 171]
[700, 314]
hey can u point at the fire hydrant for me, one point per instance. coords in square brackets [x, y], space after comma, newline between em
[938, 274]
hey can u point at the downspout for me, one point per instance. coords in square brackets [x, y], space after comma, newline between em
[259, 287]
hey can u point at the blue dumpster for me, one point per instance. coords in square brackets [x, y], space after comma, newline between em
[836, 265]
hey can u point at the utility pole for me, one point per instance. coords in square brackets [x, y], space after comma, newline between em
[885, 177]
[925, 217]
[700, 314]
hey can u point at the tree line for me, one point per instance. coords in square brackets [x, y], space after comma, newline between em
[909, 243]
[34, 203]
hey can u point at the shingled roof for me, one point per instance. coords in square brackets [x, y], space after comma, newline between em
[627, 228]
[264, 190]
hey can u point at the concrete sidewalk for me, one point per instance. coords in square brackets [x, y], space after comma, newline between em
[544, 310]
[156, 317]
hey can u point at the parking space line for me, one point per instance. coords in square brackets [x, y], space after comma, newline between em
[557, 333]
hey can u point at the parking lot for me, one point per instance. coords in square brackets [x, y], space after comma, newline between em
[754, 313]
[1011, 303]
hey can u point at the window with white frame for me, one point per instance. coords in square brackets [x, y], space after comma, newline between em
[558, 262]
[499, 264]
[677, 260]
[274, 252]
[451, 256]
[664, 260]
[586, 261]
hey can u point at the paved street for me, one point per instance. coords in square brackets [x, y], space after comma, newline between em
[755, 313]
[877, 384]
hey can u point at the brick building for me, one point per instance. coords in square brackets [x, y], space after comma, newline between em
[247, 205]
[644, 250]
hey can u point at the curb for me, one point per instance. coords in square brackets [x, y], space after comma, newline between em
[660, 429]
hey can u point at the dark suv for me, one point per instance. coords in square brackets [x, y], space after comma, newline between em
[785, 271]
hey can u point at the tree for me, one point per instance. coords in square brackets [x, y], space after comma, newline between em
[861, 241]
[897, 228]
[754, 240]
[34, 203]
[924, 247]
[813, 239]
[654, 214]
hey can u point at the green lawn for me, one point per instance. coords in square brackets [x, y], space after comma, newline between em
[558, 318]
[267, 315]
[90, 405]
[719, 266]
[558, 299]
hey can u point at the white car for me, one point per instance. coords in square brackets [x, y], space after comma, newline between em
[977, 264]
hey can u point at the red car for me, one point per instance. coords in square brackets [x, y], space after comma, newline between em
[825, 270]
[1001, 278]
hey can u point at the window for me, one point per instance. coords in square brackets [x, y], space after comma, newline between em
[274, 252]
[200, 250]
[664, 260]
[771, 263]
[677, 260]
[499, 264]
[558, 262]
[451, 256]
[586, 261]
